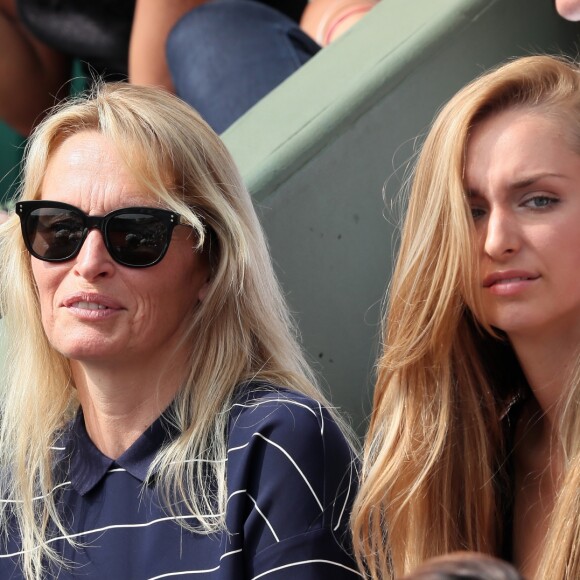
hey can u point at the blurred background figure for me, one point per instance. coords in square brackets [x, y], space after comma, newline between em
[220, 56]
[465, 566]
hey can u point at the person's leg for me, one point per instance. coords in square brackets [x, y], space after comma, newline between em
[224, 56]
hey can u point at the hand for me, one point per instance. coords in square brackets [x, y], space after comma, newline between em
[569, 9]
[326, 20]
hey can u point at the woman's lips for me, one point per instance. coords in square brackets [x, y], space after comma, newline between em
[92, 306]
[89, 306]
[510, 282]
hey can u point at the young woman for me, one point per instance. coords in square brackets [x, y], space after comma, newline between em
[474, 442]
[158, 417]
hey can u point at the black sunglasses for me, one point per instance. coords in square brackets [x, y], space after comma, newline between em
[134, 236]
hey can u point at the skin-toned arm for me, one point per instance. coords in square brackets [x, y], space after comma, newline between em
[569, 9]
[33, 76]
[152, 23]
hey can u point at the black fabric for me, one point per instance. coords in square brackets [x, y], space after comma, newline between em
[96, 32]
[291, 480]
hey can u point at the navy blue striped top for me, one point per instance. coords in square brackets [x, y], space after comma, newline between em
[291, 480]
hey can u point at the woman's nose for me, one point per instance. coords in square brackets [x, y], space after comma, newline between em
[502, 235]
[93, 260]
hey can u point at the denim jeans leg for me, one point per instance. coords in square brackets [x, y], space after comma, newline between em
[225, 55]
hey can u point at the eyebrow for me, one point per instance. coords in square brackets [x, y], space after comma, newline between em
[520, 184]
[533, 179]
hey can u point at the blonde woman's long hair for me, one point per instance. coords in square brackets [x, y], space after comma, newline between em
[240, 332]
[432, 473]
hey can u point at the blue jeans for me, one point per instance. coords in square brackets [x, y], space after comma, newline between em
[224, 56]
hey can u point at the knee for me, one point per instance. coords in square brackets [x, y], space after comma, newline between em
[212, 19]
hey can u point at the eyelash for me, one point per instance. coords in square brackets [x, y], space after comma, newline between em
[545, 198]
[547, 202]
[474, 210]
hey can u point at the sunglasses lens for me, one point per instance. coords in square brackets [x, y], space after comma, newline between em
[54, 233]
[137, 239]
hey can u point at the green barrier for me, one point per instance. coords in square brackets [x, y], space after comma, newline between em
[318, 151]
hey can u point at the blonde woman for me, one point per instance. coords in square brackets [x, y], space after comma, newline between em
[158, 417]
[474, 442]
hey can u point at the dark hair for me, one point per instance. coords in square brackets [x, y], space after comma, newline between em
[465, 566]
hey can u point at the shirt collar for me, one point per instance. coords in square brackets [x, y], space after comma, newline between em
[88, 465]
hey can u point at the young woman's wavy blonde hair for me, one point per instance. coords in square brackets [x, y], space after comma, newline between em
[433, 455]
[241, 330]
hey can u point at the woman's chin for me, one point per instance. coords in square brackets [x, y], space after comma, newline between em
[88, 350]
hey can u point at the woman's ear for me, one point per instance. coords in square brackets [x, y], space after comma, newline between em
[211, 257]
[204, 289]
